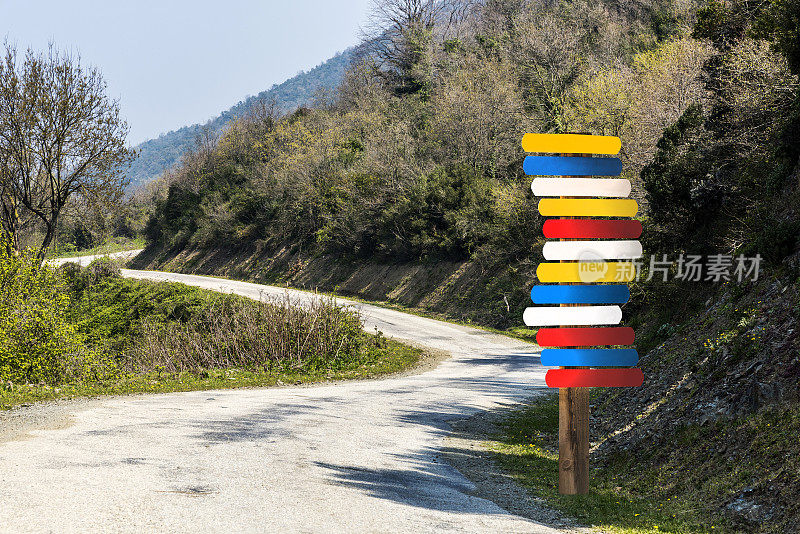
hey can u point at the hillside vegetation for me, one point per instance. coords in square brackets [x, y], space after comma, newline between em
[408, 187]
[418, 158]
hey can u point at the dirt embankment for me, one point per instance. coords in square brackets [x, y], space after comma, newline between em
[471, 291]
[718, 417]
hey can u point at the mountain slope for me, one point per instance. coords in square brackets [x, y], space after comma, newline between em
[161, 153]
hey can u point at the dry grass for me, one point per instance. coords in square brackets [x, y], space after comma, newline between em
[234, 332]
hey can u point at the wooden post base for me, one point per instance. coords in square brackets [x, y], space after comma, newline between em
[573, 441]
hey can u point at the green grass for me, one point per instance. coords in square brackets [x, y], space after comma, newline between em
[391, 358]
[117, 244]
[111, 311]
[527, 448]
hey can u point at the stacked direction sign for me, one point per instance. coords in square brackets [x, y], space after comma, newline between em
[582, 281]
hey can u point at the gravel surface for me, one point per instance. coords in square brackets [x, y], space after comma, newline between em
[362, 456]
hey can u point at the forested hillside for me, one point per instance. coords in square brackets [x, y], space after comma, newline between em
[162, 153]
[418, 158]
[408, 187]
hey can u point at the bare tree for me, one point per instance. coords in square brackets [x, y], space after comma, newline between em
[60, 136]
[400, 35]
[14, 218]
[264, 113]
[548, 50]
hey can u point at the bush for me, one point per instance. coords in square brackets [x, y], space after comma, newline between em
[151, 326]
[101, 268]
[78, 278]
[774, 242]
[175, 217]
[37, 343]
[233, 332]
[674, 178]
[447, 213]
[110, 311]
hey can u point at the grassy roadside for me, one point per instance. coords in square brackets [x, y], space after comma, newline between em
[392, 357]
[527, 449]
[108, 335]
[109, 247]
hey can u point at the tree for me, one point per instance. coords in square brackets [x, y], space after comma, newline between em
[477, 115]
[60, 136]
[401, 35]
[638, 102]
[783, 18]
[549, 50]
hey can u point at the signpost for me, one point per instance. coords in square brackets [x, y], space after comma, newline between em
[587, 307]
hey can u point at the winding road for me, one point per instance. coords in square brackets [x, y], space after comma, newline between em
[362, 456]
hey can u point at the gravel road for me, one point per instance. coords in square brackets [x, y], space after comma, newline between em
[359, 456]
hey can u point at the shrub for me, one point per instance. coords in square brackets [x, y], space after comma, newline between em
[447, 213]
[77, 278]
[110, 311]
[774, 242]
[150, 326]
[234, 332]
[36, 340]
[103, 268]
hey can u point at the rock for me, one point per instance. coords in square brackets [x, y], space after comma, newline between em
[748, 509]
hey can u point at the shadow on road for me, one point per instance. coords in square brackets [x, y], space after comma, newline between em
[438, 478]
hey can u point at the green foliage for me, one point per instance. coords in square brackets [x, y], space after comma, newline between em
[110, 311]
[774, 20]
[86, 331]
[418, 155]
[664, 23]
[445, 213]
[36, 339]
[779, 22]
[175, 216]
[711, 20]
[736, 157]
[393, 175]
[387, 358]
[80, 237]
[677, 181]
[774, 242]
[238, 333]
[173, 327]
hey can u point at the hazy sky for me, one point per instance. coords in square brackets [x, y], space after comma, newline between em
[178, 62]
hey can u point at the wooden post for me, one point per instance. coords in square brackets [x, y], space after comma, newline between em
[573, 434]
[573, 441]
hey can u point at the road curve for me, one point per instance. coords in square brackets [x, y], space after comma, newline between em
[348, 457]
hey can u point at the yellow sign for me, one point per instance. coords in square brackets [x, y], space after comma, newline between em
[571, 143]
[588, 207]
[586, 272]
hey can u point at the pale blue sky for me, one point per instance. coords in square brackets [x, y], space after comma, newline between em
[178, 62]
